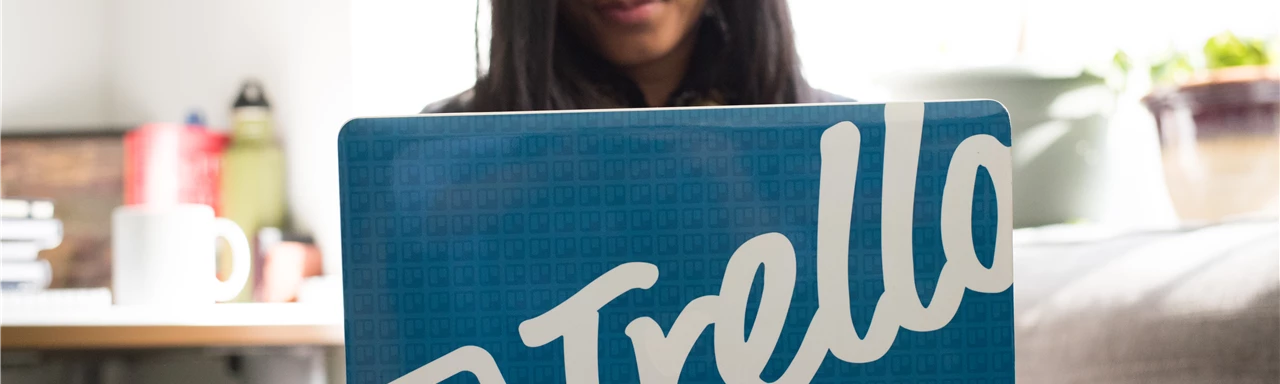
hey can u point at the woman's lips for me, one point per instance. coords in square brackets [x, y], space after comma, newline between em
[628, 12]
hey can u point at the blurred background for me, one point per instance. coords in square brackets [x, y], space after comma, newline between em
[1143, 130]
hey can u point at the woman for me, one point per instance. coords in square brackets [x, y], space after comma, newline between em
[582, 54]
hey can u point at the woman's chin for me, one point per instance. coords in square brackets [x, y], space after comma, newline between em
[635, 51]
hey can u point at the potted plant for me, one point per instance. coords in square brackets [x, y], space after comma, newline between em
[1218, 123]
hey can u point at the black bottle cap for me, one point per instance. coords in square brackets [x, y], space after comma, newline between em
[251, 95]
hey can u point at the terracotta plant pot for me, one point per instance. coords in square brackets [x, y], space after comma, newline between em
[1219, 143]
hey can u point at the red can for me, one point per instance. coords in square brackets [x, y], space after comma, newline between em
[172, 163]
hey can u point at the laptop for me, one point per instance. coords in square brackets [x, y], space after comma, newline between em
[866, 243]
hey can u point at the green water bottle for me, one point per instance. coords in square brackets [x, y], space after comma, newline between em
[253, 180]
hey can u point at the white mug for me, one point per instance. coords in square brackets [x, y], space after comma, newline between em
[165, 255]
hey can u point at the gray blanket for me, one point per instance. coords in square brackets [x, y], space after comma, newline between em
[1190, 306]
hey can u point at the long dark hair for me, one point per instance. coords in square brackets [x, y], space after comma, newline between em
[744, 52]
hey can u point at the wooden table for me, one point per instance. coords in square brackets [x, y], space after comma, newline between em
[213, 325]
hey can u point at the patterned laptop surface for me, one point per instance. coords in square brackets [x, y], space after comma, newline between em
[843, 243]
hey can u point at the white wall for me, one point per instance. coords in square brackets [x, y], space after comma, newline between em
[844, 45]
[56, 64]
[408, 53]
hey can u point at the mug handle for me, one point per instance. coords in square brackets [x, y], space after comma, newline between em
[240, 257]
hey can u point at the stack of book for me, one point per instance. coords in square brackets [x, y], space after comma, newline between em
[27, 227]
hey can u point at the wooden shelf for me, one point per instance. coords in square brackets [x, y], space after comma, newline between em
[216, 325]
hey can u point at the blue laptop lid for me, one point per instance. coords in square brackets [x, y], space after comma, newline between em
[863, 243]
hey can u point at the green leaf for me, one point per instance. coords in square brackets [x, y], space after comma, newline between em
[1122, 61]
[1227, 50]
